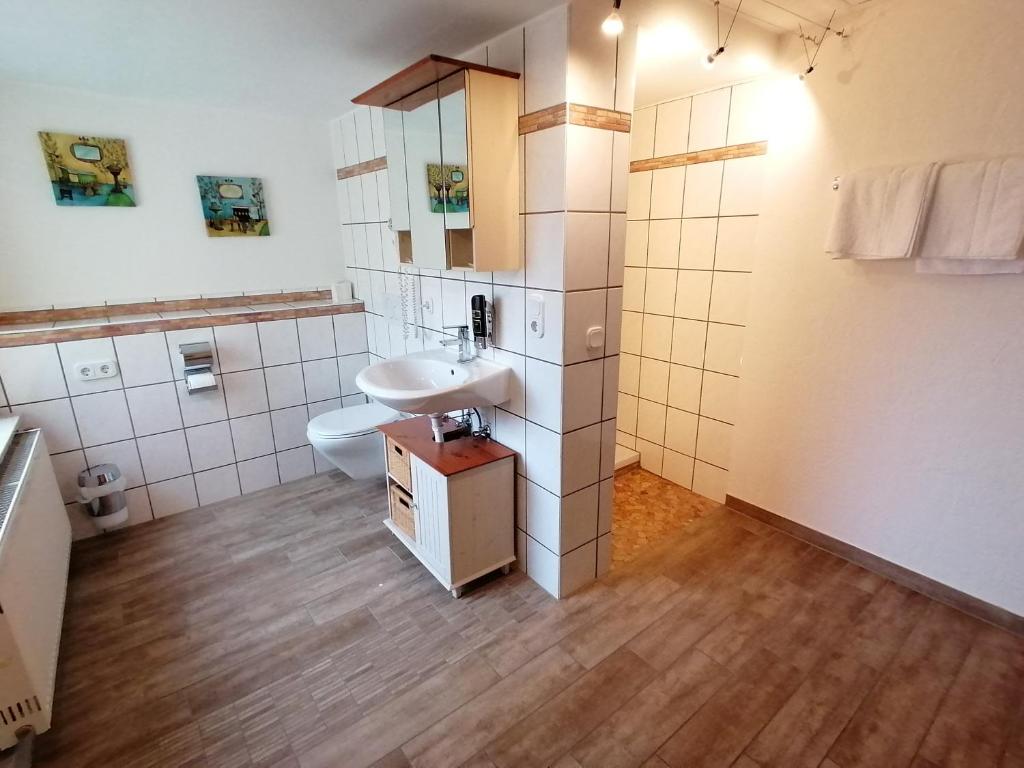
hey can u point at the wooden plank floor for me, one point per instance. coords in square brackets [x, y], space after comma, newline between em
[288, 628]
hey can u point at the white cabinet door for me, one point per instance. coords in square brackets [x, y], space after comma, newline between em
[430, 493]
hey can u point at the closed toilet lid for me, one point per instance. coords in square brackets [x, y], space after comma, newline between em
[352, 421]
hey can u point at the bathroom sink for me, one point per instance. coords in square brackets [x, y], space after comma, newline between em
[433, 381]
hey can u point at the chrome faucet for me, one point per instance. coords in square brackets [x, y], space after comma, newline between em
[467, 351]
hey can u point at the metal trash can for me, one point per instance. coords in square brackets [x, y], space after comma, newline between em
[101, 490]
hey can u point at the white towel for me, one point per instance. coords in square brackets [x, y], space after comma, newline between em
[976, 222]
[879, 212]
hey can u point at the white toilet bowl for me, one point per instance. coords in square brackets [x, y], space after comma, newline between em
[348, 438]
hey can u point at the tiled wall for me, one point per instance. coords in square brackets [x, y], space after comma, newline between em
[689, 241]
[561, 417]
[179, 451]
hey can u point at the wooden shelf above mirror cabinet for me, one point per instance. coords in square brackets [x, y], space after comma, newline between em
[452, 133]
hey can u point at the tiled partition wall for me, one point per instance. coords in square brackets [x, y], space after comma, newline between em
[561, 417]
[179, 451]
[689, 240]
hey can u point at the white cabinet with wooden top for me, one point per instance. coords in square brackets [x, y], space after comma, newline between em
[452, 504]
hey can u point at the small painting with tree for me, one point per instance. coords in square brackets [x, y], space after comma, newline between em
[233, 206]
[88, 170]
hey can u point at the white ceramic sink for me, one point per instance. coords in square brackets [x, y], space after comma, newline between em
[433, 381]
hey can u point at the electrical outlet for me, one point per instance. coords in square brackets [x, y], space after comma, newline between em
[101, 369]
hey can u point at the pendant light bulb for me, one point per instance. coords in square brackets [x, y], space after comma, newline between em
[612, 25]
[709, 60]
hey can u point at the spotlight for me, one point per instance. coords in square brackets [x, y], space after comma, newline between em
[612, 25]
[709, 60]
[806, 72]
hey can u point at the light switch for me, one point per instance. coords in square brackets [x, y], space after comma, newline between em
[535, 314]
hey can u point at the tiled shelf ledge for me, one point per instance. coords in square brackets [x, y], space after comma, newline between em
[202, 313]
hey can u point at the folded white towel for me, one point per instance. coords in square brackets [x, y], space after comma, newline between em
[976, 222]
[879, 213]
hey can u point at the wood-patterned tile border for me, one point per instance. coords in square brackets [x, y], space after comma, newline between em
[703, 156]
[359, 169]
[149, 307]
[130, 328]
[574, 114]
[936, 590]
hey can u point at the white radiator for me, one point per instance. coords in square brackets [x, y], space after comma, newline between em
[35, 544]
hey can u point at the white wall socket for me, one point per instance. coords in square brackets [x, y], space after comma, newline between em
[101, 369]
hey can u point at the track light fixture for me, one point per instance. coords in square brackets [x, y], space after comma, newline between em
[709, 60]
[612, 25]
[817, 42]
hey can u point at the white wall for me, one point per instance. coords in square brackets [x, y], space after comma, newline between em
[52, 254]
[880, 406]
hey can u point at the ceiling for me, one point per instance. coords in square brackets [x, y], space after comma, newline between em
[300, 57]
[790, 15]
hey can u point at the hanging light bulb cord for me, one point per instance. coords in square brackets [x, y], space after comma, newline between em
[813, 58]
[718, 26]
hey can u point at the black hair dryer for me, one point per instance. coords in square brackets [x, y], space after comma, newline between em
[482, 319]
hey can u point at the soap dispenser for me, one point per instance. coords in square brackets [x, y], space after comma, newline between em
[482, 320]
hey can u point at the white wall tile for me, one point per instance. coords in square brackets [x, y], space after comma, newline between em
[684, 387]
[356, 213]
[545, 251]
[637, 238]
[257, 474]
[546, 47]
[549, 346]
[592, 58]
[316, 337]
[629, 373]
[371, 206]
[641, 134]
[657, 337]
[103, 417]
[616, 248]
[202, 407]
[660, 296]
[680, 431]
[374, 245]
[66, 467]
[586, 250]
[667, 185]
[677, 468]
[620, 171]
[173, 496]
[584, 310]
[543, 457]
[606, 506]
[542, 566]
[627, 411]
[714, 442]
[750, 113]
[633, 286]
[673, 129]
[377, 131]
[190, 336]
[693, 294]
[245, 392]
[703, 189]
[578, 519]
[632, 332]
[285, 386]
[510, 318]
[164, 456]
[252, 436]
[453, 303]
[139, 509]
[364, 133]
[697, 239]
[348, 367]
[295, 464]
[154, 408]
[724, 349]
[55, 418]
[350, 333]
[638, 203]
[32, 373]
[741, 186]
[543, 512]
[430, 298]
[604, 555]
[289, 427]
[588, 168]
[517, 386]
[654, 380]
[729, 297]
[709, 481]
[543, 394]
[663, 245]
[709, 120]
[613, 321]
[608, 432]
[279, 342]
[74, 353]
[219, 484]
[735, 248]
[125, 454]
[510, 431]
[610, 388]
[580, 458]
[688, 340]
[582, 394]
[718, 397]
[545, 170]
[323, 406]
[210, 446]
[651, 456]
[650, 422]
[321, 379]
[143, 359]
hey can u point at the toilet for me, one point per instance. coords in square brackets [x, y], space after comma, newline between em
[348, 438]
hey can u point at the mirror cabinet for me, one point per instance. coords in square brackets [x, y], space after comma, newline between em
[452, 134]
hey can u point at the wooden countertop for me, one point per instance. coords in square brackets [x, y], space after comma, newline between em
[447, 458]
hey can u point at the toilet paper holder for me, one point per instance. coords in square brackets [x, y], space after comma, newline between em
[198, 363]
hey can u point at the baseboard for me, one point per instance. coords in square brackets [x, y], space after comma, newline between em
[929, 587]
